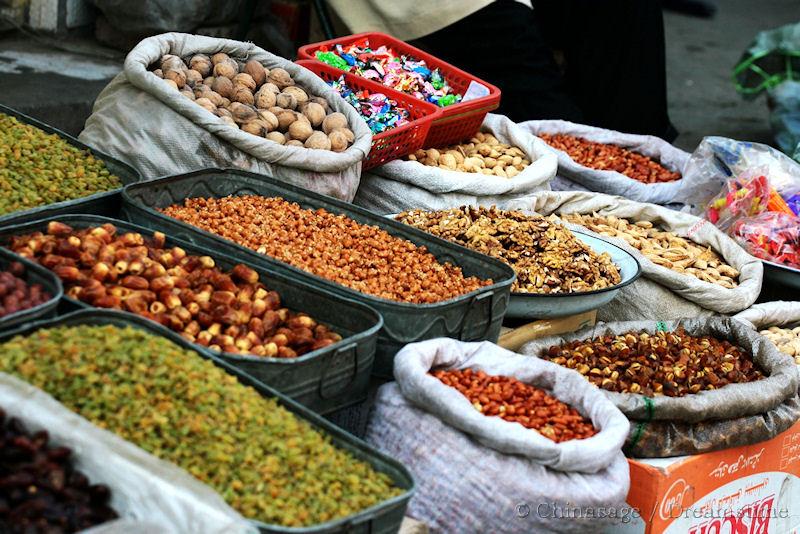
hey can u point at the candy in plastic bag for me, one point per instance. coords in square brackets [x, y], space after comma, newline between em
[771, 236]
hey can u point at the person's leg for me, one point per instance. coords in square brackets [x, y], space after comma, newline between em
[615, 63]
[502, 44]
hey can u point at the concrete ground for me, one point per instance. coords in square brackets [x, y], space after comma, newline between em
[701, 54]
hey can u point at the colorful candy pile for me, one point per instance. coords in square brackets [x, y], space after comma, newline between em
[400, 72]
[381, 112]
[771, 236]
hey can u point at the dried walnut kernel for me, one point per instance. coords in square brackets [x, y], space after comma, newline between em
[547, 257]
[359, 256]
[673, 364]
[518, 402]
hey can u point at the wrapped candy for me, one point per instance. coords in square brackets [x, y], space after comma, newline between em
[400, 72]
[771, 236]
[381, 112]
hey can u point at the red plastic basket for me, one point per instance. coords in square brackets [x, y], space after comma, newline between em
[397, 142]
[458, 121]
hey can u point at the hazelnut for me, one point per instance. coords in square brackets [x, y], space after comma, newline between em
[301, 130]
[246, 80]
[171, 62]
[317, 140]
[201, 63]
[294, 142]
[276, 137]
[223, 86]
[299, 95]
[265, 99]
[286, 101]
[347, 132]
[208, 80]
[242, 112]
[256, 71]
[255, 127]
[177, 76]
[338, 141]
[206, 104]
[219, 57]
[285, 119]
[243, 95]
[193, 77]
[321, 101]
[280, 77]
[315, 113]
[269, 119]
[228, 69]
[187, 93]
[271, 87]
[333, 121]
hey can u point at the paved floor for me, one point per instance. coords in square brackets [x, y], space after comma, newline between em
[701, 54]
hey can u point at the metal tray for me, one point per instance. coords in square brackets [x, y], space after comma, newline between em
[34, 274]
[324, 380]
[471, 317]
[105, 203]
[382, 518]
[781, 274]
[548, 306]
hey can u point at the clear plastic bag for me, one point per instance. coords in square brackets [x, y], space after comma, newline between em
[743, 196]
[770, 236]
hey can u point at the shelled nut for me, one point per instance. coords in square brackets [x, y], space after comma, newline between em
[666, 249]
[786, 339]
[518, 402]
[483, 154]
[673, 364]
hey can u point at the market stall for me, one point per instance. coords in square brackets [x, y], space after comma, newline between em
[340, 295]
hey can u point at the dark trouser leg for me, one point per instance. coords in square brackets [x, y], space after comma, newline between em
[615, 61]
[502, 44]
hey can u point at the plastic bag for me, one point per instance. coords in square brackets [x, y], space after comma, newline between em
[784, 115]
[770, 236]
[717, 160]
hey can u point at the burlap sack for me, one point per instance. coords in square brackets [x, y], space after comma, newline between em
[140, 120]
[612, 182]
[401, 185]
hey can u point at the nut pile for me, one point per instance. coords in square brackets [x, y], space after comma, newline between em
[40, 491]
[231, 312]
[483, 154]
[547, 257]
[264, 461]
[260, 101]
[667, 249]
[518, 402]
[604, 157]
[673, 364]
[16, 294]
[786, 339]
[362, 257]
[37, 168]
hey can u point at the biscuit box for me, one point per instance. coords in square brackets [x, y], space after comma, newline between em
[744, 490]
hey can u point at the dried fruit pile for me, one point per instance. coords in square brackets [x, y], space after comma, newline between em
[40, 491]
[260, 101]
[604, 157]
[361, 257]
[518, 402]
[15, 293]
[673, 364]
[231, 312]
[264, 461]
[483, 154]
[37, 168]
[547, 257]
[667, 249]
[786, 339]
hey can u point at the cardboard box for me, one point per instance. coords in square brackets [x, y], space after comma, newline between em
[745, 490]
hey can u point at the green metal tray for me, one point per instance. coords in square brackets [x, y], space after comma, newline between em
[384, 518]
[472, 317]
[106, 203]
[34, 274]
[324, 380]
